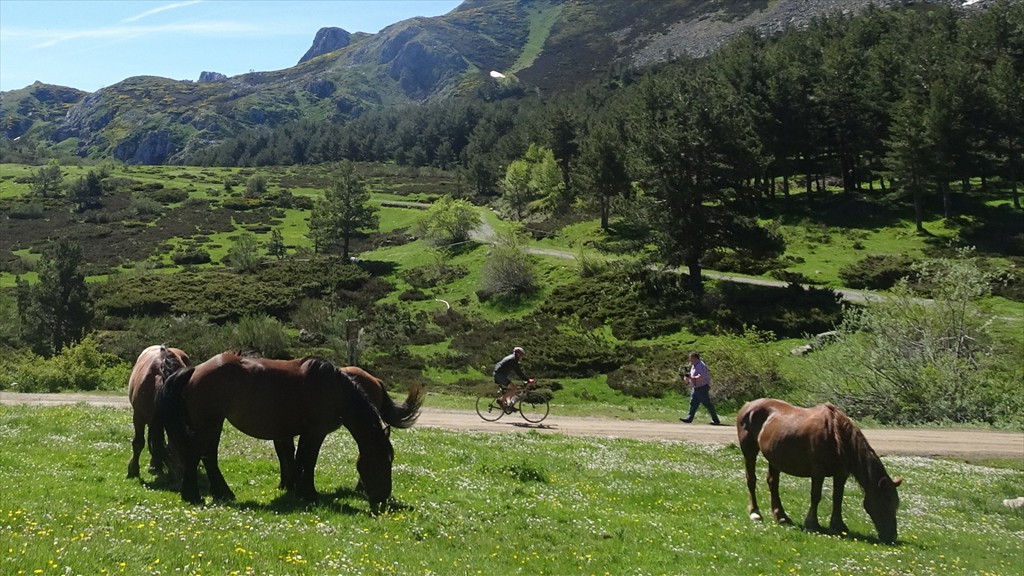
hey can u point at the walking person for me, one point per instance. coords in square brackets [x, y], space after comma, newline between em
[700, 393]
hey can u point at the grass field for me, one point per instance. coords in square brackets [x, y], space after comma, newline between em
[471, 503]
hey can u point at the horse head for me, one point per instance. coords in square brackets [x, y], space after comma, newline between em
[881, 503]
[376, 454]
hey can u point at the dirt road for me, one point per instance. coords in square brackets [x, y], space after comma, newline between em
[947, 442]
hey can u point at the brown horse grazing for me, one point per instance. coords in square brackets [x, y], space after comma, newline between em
[272, 400]
[147, 376]
[402, 415]
[815, 443]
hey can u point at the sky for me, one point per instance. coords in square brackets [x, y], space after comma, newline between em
[91, 44]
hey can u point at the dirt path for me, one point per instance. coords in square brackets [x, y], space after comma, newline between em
[957, 443]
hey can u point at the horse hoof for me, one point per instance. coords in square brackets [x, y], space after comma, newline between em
[755, 516]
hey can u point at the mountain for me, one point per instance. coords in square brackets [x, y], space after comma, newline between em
[549, 45]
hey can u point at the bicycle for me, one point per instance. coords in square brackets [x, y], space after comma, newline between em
[532, 407]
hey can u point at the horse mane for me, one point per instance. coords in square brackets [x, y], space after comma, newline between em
[169, 362]
[317, 367]
[860, 457]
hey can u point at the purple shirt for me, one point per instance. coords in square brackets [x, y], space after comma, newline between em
[699, 375]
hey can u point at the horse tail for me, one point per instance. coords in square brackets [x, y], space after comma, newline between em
[405, 414]
[170, 407]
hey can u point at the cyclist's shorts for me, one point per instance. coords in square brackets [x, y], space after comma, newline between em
[502, 380]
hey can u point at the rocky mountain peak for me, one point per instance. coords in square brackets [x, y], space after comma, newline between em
[327, 40]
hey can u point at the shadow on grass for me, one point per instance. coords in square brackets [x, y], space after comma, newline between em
[337, 501]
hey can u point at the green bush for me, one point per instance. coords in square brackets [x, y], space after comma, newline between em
[653, 375]
[792, 311]
[744, 368]
[879, 272]
[198, 337]
[190, 256]
[260, 334]
[636, 302]
[79, 367]
[315, 277]
[218, 296]
[168, 195]
[552, 351]
[902, 360]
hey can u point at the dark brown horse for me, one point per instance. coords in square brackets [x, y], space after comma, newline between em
[398, 415]
[815, 443]
[272, 400]
[147, 376]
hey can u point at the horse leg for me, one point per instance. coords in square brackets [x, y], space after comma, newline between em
[305, 460]
[218, 486]
[189, 459]
[138, 442]
[157, 449]
[811, 521]
[836, 524]
[285, 448]
[750, 451]
[773, 488]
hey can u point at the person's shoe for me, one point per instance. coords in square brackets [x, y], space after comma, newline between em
[716, 423]
[687, 420]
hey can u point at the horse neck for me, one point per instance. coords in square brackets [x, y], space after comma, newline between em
[863, 462]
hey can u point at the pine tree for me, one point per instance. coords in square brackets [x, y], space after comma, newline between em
[342, 212]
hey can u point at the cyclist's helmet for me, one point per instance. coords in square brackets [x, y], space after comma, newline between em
[518, 350]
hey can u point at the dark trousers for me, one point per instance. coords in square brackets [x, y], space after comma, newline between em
[702, 395]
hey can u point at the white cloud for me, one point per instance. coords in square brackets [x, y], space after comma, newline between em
[46, 38]
[161, 9]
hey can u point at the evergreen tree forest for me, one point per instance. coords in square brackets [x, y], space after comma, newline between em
[915, 101]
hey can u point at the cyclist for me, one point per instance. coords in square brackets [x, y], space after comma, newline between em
[502, 370]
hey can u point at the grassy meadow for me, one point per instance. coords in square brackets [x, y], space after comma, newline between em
[472, 503]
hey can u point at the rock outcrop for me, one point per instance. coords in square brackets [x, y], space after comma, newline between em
[212, 77]
[327, 40]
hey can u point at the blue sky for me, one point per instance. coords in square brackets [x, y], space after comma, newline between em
[89, 44]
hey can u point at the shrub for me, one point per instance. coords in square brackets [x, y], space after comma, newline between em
[260, 334]
[791, 311]
[218, 296]
[143, 206]
[168, 195]
[902, 360]
[635, 301]
[81, 366]
[449, 220]
[654, 375]
[244, 254]
[879, 272]
[744, 368]
[509, 270]
[552, 352]
[507, 273]
[436, 274]
[198, 337]
[190, 256]
[31, 210]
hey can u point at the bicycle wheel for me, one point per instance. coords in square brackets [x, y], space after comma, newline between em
[533, 411]
[487, 407]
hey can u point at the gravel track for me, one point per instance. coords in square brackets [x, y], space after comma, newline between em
[932, 442]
